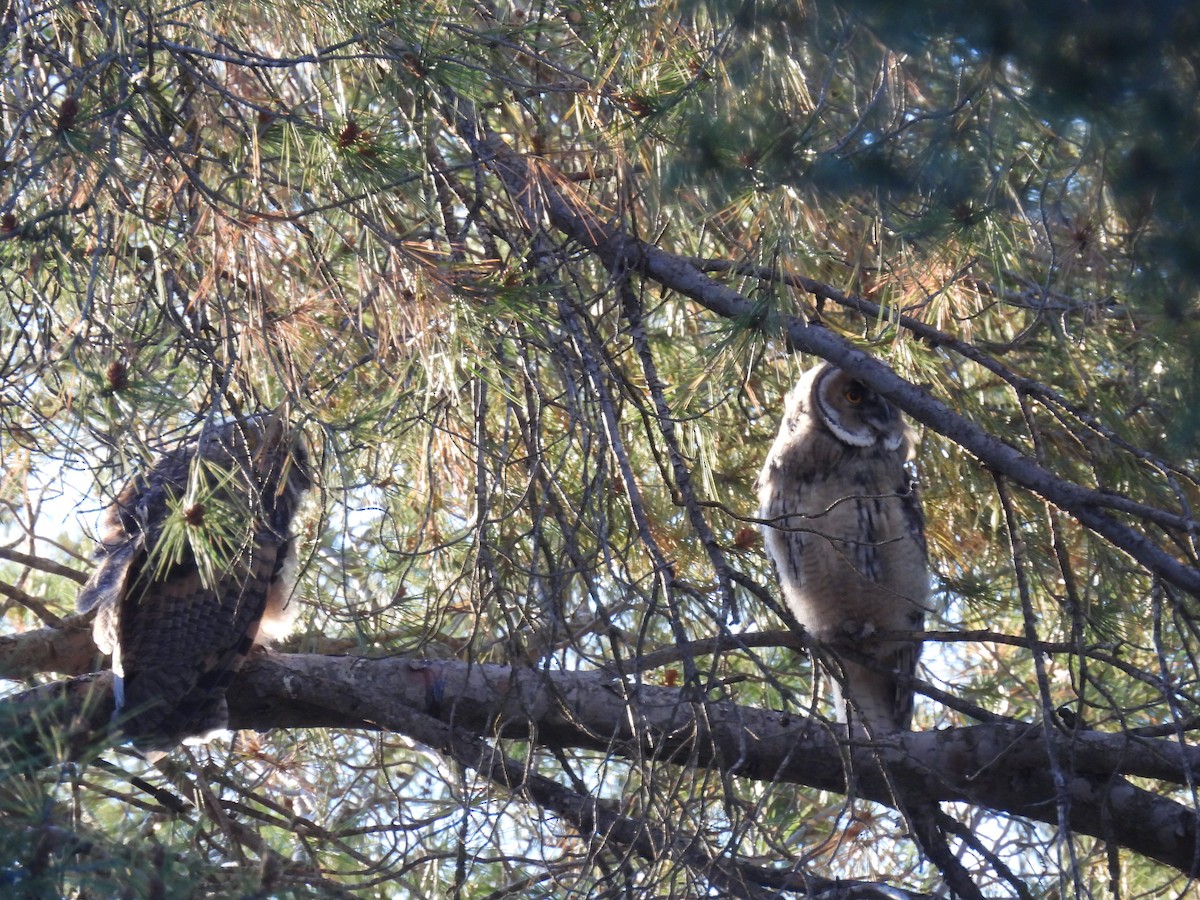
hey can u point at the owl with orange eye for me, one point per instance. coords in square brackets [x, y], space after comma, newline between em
[843, 525]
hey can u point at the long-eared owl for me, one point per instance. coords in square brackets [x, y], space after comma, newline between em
[196, 564]
[844, 528]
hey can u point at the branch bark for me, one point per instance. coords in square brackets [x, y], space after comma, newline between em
[998, 766]
[68, 650]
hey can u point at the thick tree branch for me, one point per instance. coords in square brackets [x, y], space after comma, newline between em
[68, 650]
[1001, 767]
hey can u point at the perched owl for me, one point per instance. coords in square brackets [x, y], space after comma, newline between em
[843, 526]
[196, 559]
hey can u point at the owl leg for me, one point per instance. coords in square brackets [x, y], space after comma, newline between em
[870, 695]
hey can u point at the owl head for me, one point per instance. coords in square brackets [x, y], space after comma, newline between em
[256, 460]
[262, 446]
[851, 412]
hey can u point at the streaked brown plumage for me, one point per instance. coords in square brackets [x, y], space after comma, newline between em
[846, 534]
[177, 625]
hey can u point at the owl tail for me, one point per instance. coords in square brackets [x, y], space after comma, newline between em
[154, 728]
[158, 710]
[871, 701]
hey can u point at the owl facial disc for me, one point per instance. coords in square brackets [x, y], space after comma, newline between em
[854, 413]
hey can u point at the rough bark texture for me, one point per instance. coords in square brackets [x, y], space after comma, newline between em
[999, 766]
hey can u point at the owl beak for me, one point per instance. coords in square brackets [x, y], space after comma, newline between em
[880, 416]
[883, 419]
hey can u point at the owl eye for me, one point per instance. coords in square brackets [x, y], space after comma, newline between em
[854, 393]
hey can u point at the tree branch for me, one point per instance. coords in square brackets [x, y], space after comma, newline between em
[66, 650]
[1001, 767]
[547, 194]
[43, 565]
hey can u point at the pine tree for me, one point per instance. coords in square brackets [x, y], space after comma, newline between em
[534, 278]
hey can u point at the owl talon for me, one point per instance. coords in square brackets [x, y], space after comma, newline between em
[853, 631]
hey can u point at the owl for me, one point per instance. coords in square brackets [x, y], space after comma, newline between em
[844, 528]
[195, 564]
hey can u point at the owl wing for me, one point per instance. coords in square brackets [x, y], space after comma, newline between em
[914, 514]
[108, 583]
[908, 654]
[885, 700]
[181, 640]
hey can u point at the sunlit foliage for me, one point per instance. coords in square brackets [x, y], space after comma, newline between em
[530, 458]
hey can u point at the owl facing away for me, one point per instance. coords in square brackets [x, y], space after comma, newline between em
[844, 528]
[196, 562]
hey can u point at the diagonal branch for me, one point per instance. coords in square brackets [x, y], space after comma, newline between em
[545, 193]
[42, 565]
